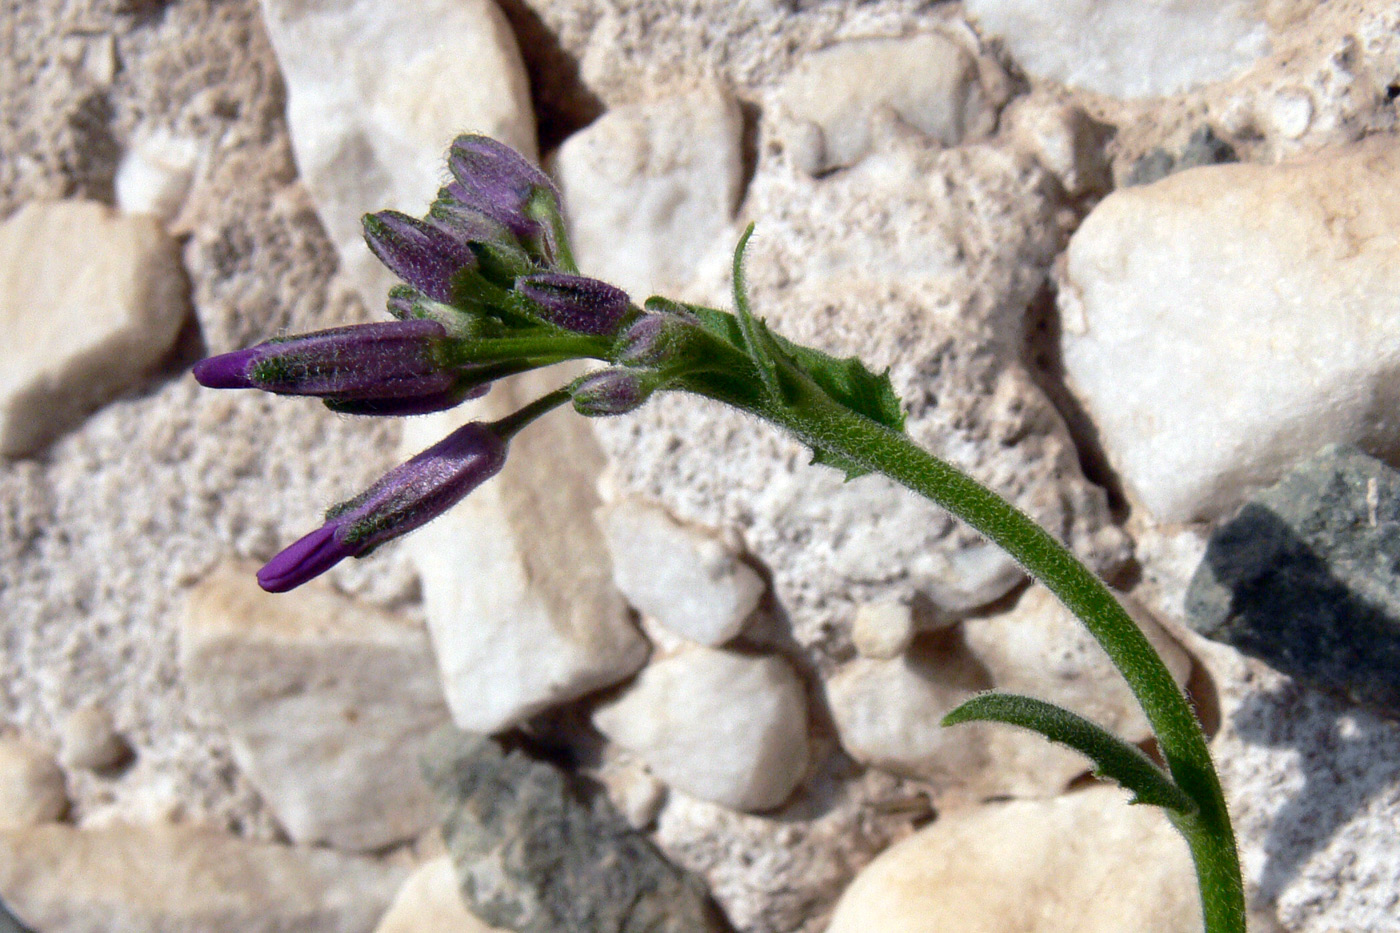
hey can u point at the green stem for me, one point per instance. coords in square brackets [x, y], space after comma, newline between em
[822, 423]
[511, 424]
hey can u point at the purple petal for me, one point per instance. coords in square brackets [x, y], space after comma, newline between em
[309, 557]
[227, 370]
[421, 489]
[497, 181]
[392, 359]
[405, 407]
[575, 302]
[423, 255]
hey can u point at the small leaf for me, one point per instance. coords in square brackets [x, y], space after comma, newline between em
[849, 382]
[758, 342]
[1113, 758]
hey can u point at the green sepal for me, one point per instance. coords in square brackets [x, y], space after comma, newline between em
[845, 379]
[1113, 758]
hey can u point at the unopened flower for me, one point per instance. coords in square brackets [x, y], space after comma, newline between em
[406, 497]
[494, 179]
[611, 391]
[655, 338]
[424, 255]
[574, 302]
[390, 360]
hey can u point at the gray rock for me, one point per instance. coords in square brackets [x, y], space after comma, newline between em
[1203, 148]
[536, 853]
[1307, 577]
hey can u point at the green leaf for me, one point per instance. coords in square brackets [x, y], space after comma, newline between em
[851, 383]
[1112, 757]
[757, 341]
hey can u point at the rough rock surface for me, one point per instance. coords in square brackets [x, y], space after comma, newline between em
[368, 136]
[326, 703]
[89, 739]
[165, 879]
[683, 577]
[535, 854]
[929, 82]
[31, 785]
[1094, 863]
[649, 187]
[1306, 576]
[90, 301]
[1128, 48]
[722, 726]
[1280, 315]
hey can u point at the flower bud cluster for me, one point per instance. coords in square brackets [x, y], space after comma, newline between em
[489, 290]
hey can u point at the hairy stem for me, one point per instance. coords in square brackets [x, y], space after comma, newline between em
[824, 424]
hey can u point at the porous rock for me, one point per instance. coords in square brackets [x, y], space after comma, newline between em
[1306, 576]
[168, 879]
[648, 188]
[517, 584]
[32, 789]
[368, 136]
[684, 578]
[91, 300]
[1086, 862]
[1274, 337]
[883, 630]
[723, 726]
[1127, 48]
[535, 854]
[326, 704]
[927, 81]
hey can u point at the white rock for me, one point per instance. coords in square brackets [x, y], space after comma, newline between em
[89, 740]
[883, 630]
[649, 188]
[517, 584]
[90, 300]
[154, 175]
[326, 704]
[928, 81]
[32, 789]
[369, 136]
[1255, 304]
[1128, 48]
[634, 792]
[1039, 649]
[1086, 862]
[431, 902]
[164, 879]
[887, 712]
[684, 578]
[721, 726]
[1064, 139]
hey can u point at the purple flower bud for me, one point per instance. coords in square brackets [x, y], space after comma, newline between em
[655, 338]
[391, 360]
[424, 255]
[406, 497]
[612, 391]
[499, 182]
[575, 302]
[404, 407]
